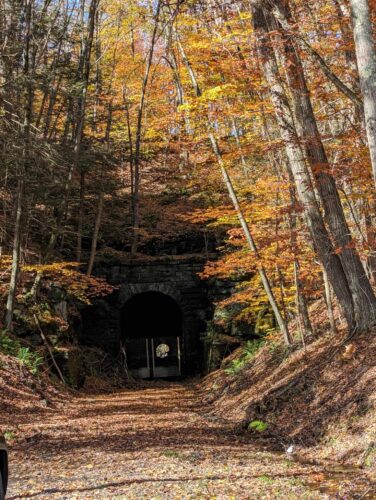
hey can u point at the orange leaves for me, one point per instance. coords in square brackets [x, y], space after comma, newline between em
[68, 276]
[339, 250]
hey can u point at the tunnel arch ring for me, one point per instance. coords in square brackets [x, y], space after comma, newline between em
[128, 291]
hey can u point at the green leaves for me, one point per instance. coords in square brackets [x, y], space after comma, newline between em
[249, 351]
[12, 347]
[30, 359]
[258, 426]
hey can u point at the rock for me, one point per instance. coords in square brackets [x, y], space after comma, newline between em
[61, 308]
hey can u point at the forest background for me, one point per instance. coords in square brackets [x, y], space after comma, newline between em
[125, 125]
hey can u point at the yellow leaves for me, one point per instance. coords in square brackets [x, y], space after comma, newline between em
[5, 261]
[185, 107]
[68, 276]
[245, 15]
[51, 268]
[219, 91]
[221, 215]
[153, 134]
[199, 44]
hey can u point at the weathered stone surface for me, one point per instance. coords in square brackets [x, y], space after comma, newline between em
[177, 278]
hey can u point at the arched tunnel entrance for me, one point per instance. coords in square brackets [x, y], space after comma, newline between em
[152, 335]
[156, 301]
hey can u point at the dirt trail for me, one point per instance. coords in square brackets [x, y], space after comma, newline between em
[155, 443]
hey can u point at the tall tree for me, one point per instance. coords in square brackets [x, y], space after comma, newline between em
[138, 140]
[366, 59]
[281, 321]
[362, 301]
[25, 114]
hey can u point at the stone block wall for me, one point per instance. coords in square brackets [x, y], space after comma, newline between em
[176, 277]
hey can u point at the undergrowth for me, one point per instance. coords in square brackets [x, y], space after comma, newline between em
[249, 351]
[12, 347]
[258, 425]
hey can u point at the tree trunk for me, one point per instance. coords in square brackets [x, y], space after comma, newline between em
[282, 15]
[227, 180]
[362, 294]
[80, 216]
[301, 304]
[25, 132]
[137, 154]
[305, 190]
[95, 234]
[370, 229]
[82, 78]
[329, 303]
[15, 257]
[366, 59]
[251, 243]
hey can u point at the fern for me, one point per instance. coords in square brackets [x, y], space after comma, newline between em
[30, 359]
[249, 351]
[25, 356]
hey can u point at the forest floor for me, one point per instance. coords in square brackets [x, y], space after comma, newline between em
[156, 441]
[321, 399]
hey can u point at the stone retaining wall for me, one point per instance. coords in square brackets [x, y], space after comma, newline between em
[178, 278]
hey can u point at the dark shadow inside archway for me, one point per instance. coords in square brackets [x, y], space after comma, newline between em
[152, 331]
[151, 314]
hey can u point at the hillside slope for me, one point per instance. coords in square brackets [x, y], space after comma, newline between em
[321, 398]
[23, 394]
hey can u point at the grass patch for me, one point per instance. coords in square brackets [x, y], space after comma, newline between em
[9, 436]
[30, 359]
[249, 351]
[266, 479]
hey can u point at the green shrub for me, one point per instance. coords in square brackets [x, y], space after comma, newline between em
[30, 359]
[252, 346]
[236, 366]
[258, 425]
[249, 351]
[9, 436]
[8, 345]
[25, 356]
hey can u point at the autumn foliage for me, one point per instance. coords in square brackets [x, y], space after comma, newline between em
[115, 115]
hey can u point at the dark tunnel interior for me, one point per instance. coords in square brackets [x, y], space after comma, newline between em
[151, 314]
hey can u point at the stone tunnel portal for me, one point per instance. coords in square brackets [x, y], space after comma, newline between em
[152, 335]
[158, 303]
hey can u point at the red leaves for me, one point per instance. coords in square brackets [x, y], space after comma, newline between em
[339, 250]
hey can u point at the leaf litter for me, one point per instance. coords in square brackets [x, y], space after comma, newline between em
[154, 441]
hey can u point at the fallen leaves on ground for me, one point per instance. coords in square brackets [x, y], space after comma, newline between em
[152, 442]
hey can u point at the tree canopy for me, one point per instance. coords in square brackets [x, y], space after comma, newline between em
[129, 123]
